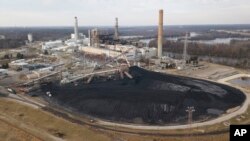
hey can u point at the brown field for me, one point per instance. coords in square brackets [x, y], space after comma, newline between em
[26, 123]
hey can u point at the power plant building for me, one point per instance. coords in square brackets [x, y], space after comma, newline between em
[115, 50]
[77, 39]
[52, 44]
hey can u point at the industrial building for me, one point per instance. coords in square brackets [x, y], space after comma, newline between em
[77, 39]
[116, 50]
[91, 45]
[52, 44]
[35, 74]
[82, 40]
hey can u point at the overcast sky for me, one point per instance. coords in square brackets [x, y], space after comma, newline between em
[130, 12]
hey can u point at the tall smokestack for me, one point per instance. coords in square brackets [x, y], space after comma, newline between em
[116, 36]
[160, 33]
[76, 29]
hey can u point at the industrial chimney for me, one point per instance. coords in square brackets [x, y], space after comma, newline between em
[76, 29]
[116, 36]
[160, 34]
[90, 38]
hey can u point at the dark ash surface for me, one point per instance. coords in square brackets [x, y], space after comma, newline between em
[150, 98]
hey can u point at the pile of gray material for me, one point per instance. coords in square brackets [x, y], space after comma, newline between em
[149, 98]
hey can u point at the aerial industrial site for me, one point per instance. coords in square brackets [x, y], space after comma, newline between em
[149, 83]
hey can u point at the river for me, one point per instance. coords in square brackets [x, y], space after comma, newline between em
[194, 34]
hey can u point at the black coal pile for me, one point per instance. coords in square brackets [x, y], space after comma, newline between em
[150, 98]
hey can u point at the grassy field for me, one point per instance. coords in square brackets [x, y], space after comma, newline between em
[21, 115]
[10, 133]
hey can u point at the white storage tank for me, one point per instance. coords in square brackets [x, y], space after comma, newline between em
[30, 37]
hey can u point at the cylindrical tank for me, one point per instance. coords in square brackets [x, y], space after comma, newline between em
[30, 37]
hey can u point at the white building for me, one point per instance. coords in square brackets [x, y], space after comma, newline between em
[82, 40]
[73, 43]
[114, 51]
[52, 44]
[81, 36]
[68, 49]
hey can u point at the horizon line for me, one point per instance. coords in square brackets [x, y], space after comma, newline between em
[121, 26]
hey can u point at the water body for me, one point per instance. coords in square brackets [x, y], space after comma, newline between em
[219, 41]
[194, 34]
[209, 42]
[130, 37]
[242, 82]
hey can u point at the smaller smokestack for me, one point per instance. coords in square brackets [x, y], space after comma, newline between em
[160, 33]
[90, 38]
[116, 36]
[76, 29]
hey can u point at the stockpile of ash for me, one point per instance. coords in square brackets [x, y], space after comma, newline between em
[148, 98]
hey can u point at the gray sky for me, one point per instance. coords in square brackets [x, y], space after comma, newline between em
[130, 12]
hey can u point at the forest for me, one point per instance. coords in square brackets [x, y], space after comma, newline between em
[239, 51]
